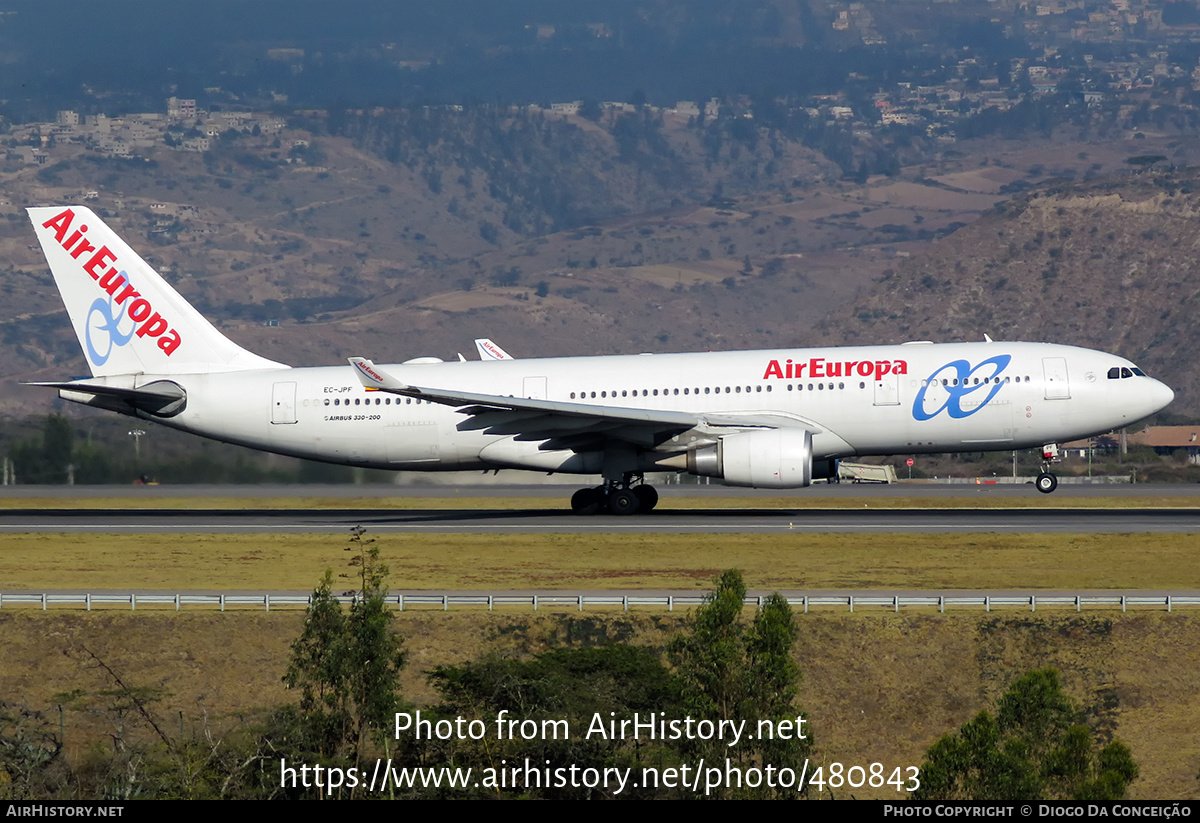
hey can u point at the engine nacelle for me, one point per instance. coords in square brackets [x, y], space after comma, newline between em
[770, 459]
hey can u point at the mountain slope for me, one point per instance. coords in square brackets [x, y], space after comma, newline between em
[1107, 265]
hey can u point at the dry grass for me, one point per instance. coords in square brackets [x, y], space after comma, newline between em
[877, 687]
[604, 561]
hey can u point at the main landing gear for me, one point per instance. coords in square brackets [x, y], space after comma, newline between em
[1046, 482]
[629, 495]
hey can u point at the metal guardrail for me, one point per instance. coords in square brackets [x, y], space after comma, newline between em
[577, 602]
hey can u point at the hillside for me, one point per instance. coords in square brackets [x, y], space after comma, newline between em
[876, 687]
[1106, 264]
[566, 236]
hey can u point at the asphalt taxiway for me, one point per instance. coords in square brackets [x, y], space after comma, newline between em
[850, 509]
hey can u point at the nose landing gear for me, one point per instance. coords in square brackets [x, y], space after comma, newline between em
[629, 495]
[1046, 482]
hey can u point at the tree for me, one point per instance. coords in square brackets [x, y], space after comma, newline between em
[47, 460]
[318, 668]
[731, 672]
[28, 745]
[347, 664]
[709, 659]
[587, 687]
[1036, 747]
[375, 654]
[1145, 161]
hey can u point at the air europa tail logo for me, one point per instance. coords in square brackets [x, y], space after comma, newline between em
[818, 367]
[124, 302]
[368, 371]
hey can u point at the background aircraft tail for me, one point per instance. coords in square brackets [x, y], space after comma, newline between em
[128, 319]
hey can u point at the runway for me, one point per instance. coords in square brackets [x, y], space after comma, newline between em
[467, 509]
[667, 521]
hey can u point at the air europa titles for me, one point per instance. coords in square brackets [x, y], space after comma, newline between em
[113, 281]
[818, 367]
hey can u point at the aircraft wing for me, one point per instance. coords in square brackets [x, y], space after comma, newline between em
[566, 425]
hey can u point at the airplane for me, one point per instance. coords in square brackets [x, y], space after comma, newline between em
[776, 419]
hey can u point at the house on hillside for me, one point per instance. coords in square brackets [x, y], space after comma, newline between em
[1168, 439]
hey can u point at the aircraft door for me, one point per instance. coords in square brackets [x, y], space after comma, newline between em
[887, 390]
[535, 388]
[1055, 371]
[283, 403]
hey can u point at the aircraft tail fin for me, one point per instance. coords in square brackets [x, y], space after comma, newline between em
[490, 351]
[128, 319]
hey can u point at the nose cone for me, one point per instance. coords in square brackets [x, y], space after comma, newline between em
[1160, 395]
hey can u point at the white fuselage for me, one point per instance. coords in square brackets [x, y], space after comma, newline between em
[857, 401]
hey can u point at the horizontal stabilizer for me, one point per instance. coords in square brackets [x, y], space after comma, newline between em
[162, 398]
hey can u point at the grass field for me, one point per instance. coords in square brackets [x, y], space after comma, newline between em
[876, 687]
[603, 561]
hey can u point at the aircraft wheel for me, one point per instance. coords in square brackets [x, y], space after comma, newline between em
[1046, 482]
[587, 501]
[623, 501]
[647, 497]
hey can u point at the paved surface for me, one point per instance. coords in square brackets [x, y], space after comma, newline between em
[562, 491]
[555, 517]
[934, 521]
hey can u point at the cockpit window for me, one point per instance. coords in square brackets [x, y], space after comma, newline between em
[1121, 372]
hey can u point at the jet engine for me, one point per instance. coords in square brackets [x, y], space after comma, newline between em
[769, 459]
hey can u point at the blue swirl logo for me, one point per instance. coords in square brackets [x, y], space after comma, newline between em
[959, 380]
[105, 327]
